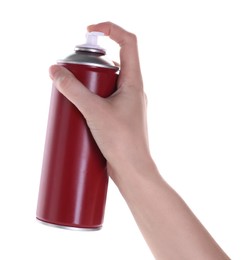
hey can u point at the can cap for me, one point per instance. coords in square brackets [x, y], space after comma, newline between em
[91, 43]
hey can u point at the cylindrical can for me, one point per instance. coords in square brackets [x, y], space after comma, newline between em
[74, 178]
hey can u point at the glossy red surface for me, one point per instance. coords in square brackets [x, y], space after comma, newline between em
[74, 180]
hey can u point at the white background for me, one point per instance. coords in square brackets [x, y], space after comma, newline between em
[195, 58]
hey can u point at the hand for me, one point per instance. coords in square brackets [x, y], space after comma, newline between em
[118, 123]
[119, 126]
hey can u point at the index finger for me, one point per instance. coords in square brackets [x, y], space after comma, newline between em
[129, 58]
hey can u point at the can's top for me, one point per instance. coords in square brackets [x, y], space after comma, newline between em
[90, 53]
[91, 43]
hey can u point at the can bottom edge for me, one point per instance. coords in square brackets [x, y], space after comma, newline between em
[68, 227]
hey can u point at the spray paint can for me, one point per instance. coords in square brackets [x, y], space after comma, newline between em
[74, 178]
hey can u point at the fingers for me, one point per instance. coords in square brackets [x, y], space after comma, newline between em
[72, 89]
[130, 65]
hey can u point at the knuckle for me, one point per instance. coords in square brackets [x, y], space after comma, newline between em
[131, 37]
[109, 24]
[128, 39]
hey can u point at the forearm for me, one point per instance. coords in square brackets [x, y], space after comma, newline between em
[168, 225]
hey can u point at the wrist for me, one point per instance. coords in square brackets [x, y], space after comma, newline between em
[132, 171]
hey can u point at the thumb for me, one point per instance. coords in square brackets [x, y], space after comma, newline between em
[72, 89]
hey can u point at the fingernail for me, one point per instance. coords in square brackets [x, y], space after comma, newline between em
[53, 70]
[89, 27]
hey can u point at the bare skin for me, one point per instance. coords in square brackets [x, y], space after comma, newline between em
[169, 227]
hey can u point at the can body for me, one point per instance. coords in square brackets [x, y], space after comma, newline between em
[74, 177]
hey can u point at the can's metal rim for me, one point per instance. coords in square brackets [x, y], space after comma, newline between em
[88, 64]
[67, 227]
[82, 48]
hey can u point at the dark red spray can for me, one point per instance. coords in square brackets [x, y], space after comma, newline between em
[74, 179]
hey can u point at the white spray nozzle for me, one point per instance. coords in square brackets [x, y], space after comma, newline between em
[91, 43]
[91, 38]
